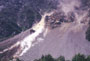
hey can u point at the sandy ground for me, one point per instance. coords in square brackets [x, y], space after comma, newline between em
[65, 42]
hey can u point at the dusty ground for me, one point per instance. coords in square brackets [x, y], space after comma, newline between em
[60, 41]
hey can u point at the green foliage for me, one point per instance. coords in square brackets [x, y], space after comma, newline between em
[61, 58]
[46, 58]
[79, 57]
[27, 16]
[18, 59]
[88, 58]
[14, 18]
[88, 34]
[50, 58]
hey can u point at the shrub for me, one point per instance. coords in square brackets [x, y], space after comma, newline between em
[79, 57]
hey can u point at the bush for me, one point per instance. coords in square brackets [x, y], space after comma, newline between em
[45, 58]
[88, 34]
[61, 58]
[88, 58]
[79, 57]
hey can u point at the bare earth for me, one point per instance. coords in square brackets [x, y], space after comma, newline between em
[60, 43]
